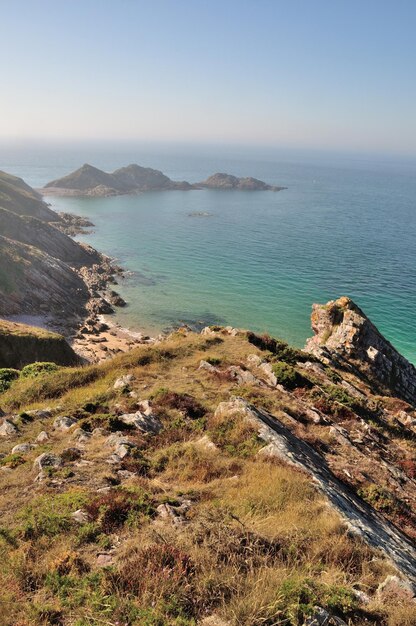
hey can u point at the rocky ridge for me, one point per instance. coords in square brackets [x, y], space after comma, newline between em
[43, 271]
[345, 336]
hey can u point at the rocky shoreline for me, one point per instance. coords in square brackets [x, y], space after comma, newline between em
[95, 338]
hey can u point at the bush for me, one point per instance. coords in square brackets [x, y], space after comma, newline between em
[182, 402]
[7, 376]
[12, 460]
[280, 349]
[113, 509]
[286, 375]
[37, 369]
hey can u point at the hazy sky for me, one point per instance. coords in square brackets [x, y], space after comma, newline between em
[307, 73]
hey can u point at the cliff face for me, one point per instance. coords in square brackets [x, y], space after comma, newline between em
[18, 197]
[43, 272]
[34, 282]
[344, 334]
[42, 235]
[21, 344]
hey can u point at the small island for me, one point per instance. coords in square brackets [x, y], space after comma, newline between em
[91, 181]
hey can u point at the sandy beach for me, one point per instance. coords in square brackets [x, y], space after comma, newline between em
[107, 340]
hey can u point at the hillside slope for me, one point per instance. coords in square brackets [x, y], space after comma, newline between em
[21, 345]
[18, 197]
[43, 271]
[33, 282]
[221, 478]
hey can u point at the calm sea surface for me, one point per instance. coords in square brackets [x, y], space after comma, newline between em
[259, 259]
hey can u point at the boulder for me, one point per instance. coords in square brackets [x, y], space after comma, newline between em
[204, 365]
[123, 382]
[64, 423]
[147, 424]
[80, 516]
[42, 437]
[70, 454]
[40, 413]
[47, 460]
[241, 376]
[8, 429]
[81, 435]
[22, 448]
[321, 617]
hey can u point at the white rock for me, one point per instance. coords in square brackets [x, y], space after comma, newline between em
[81, 435]
[80, 516]
[42, 437]
[63, 423]
[270, 377]
[206, 443]
[204, 365]
[148, 424]
[7, 429]
[40, 413]
[254, 360]
[22, 448]
[123, 381]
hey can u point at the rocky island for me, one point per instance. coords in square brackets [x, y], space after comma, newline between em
[91, 181]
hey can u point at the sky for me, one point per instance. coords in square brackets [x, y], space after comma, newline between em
[326, 74]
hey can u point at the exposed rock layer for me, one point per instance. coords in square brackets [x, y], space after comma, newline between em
[345, 335]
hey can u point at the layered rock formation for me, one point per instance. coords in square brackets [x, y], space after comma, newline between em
[43, 272]
[18, 197]
[90, 181]
[42, 235]
[345, 335]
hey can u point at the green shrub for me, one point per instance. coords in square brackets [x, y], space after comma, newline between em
[50, 515]
[286, 375]
[278, 348]
[7, 376]
[37, 369]
[12, 460]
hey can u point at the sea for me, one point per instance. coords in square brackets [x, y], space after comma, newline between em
[345, 225]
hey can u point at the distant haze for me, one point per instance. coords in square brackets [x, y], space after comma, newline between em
[322, 74]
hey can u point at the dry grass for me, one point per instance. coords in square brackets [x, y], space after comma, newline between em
[259, 545]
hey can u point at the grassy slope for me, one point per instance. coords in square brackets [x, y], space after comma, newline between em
[259, 545]
[21, 344]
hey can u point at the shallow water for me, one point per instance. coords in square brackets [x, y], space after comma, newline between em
[256, 259]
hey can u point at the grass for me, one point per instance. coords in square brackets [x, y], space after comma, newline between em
[259, 545]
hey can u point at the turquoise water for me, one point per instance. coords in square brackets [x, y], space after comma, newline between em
[259, 259]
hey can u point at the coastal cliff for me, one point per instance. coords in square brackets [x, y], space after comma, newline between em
[90, 181]
[345, 335]
[43, 271]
